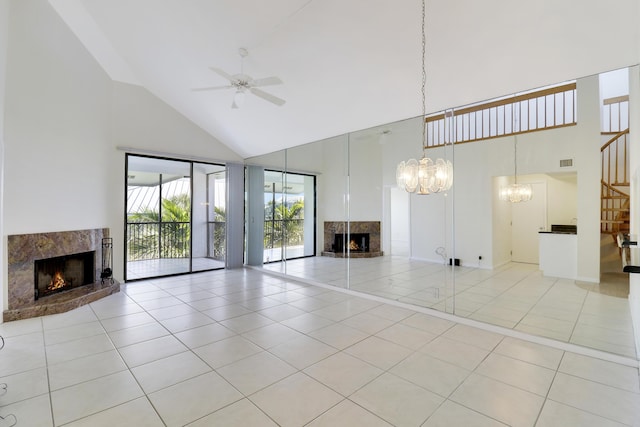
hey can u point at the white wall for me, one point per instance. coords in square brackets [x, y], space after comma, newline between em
[500, 227]
[332, 185]
[64, 119]
[143, 121]
[588, 161]
[365, 180]
[562, 198]
[57, 127]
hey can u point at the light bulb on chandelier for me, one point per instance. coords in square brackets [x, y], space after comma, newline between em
[424, 176]
[516, 193]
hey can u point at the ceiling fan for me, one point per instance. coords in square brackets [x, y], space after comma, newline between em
[242, 83]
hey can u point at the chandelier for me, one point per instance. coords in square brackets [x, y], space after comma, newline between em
[424, 176]
[515, 193]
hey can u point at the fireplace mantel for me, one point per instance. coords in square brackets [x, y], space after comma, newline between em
[22, 252]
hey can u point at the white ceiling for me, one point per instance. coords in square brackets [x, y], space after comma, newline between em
[346, 64]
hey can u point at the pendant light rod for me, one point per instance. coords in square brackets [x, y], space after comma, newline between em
[515, 192]
[424, 81]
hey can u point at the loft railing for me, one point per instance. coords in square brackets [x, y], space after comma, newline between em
[615, 114]
[615, 169]
[543, 109]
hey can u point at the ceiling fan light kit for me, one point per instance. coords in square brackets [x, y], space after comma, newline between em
[243, 82]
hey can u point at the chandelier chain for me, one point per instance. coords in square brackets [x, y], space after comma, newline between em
[515, 140]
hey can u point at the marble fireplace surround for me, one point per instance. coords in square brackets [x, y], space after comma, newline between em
[332, 228]
[24, 249]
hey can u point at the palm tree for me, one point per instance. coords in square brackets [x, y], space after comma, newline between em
[219, 232]
[292, 230]
[166, 237]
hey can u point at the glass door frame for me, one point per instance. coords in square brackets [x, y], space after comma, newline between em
[283, 246]
[190, 257]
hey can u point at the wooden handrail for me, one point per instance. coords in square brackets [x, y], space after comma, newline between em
[612, 139]
[615, 100]
[505, 101]
[543, 109]
[614, 189]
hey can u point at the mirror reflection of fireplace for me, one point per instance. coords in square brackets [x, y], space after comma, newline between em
[53, 275]
[354, 242]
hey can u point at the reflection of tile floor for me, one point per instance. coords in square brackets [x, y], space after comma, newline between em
[515, 296]
[242, 348]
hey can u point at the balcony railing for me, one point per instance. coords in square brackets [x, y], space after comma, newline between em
[216, 237]
[153, 240]
[275, 230]
[543, 109]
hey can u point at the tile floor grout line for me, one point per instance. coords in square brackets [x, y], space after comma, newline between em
[567, 346]
[128, 368]
[367, 335]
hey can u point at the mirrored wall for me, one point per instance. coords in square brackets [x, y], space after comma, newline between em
[465, 251]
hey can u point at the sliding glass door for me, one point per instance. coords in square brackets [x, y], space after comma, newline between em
[171, 222]
[289, 216]
[209, 216]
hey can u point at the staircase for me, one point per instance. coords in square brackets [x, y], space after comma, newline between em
[614, 195]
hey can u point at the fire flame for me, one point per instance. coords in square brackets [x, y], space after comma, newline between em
[57, 282]
[353, 246]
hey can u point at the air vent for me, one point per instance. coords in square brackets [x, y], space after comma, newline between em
[566, 163]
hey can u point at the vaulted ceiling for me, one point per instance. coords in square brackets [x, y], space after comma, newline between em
[346, 64]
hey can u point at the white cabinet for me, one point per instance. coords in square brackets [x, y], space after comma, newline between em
[559, 254]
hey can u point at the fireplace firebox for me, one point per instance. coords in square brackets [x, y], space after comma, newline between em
[360, 239]
[57, 274]
[354, 242]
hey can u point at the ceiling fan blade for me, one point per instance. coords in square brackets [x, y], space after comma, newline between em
[223, 74]
[267, 96]
[267, 81]
[200, 89]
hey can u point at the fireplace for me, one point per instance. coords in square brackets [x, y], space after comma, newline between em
[34, 261]
[62, 273]
[360, 239]
[355, 242]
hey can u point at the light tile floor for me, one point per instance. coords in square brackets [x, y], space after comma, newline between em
[515, 296]
[166, 266]
[243, 348]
